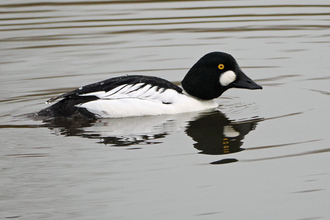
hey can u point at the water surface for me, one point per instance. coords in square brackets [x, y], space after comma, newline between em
[259, 155]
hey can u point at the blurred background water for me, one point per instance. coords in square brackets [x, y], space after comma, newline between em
[260, 155]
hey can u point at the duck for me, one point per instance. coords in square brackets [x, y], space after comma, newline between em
[140, 95]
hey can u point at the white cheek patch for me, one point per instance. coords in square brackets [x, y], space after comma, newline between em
[227, 77]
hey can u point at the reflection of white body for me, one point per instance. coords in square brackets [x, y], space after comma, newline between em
[145, 125]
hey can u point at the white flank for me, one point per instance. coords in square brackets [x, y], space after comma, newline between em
[135, 101]
[227, 77]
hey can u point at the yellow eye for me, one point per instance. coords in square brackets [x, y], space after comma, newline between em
[221, 66]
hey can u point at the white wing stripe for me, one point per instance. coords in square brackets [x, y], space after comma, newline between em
[141, 91]
[101, 94]
[138, 91]
[136, 87]
[112, 91]
[124, 89]
[152, 92]
[97, 94]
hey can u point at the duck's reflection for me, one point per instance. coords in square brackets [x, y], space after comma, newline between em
[120, 131]
[212, 131]
[215, 134]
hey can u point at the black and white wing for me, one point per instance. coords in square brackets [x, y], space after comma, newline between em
[135, 87]
[120, 87]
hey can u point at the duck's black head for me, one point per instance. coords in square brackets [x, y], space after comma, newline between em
[213, 74]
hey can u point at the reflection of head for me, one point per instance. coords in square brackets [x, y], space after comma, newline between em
[214, 133]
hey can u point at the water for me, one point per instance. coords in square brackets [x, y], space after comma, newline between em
[274, 166]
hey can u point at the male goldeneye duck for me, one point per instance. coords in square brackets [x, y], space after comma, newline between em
[139, 95]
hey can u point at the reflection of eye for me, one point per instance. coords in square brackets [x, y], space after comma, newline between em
[221, 66]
